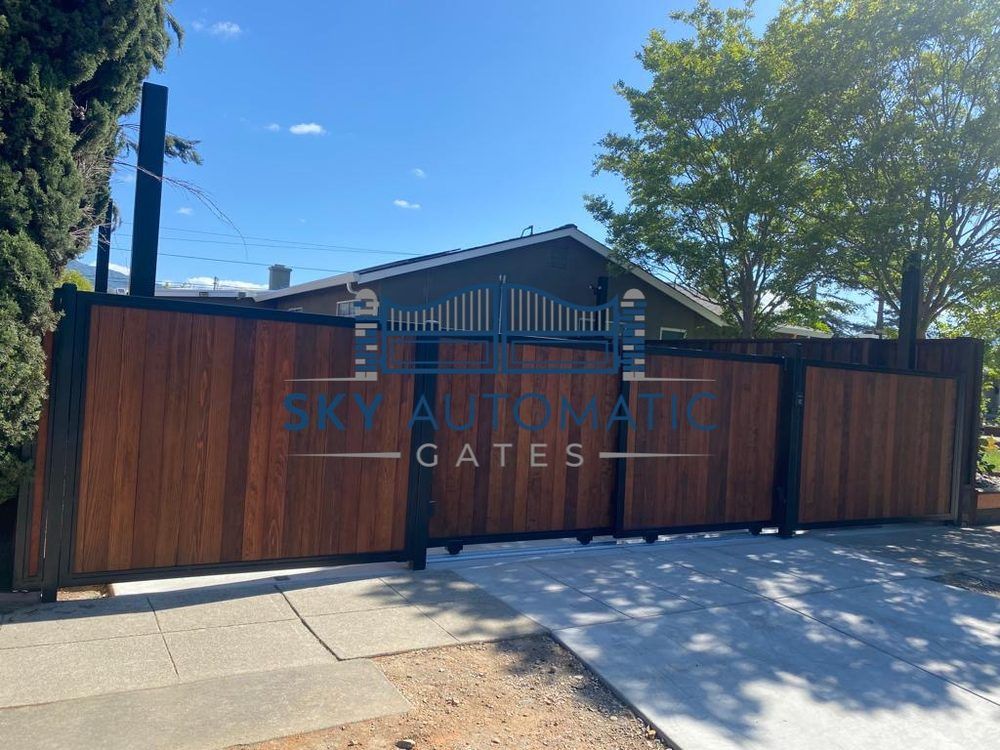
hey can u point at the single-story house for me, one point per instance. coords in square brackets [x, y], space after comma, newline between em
[564, 262]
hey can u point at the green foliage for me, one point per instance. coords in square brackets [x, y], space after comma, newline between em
[978, 316]
[900, 105]
[24, 311]
[77, 279]
[68, 73]
[989, 455]
[717, 192]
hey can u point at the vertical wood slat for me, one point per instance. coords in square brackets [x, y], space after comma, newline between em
[517, 498]
[960, 356]
[186, 459]
[876, 445]
[734, 482]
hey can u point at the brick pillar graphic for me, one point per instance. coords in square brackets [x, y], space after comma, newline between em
[367, 357]
[633, 313]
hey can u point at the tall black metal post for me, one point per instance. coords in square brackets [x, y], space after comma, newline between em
[419, 491]
[148, 189]
[909, 313]
[104, 250]
[789, 471]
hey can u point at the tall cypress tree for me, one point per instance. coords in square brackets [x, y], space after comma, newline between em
[69, 70]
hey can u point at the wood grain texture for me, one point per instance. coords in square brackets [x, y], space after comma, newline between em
[505, 494]
[876, 445]
[730, 476]
[960, 356]
[186, 459]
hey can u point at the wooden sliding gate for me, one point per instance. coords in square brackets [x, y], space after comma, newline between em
[168, 446]
[184, 438]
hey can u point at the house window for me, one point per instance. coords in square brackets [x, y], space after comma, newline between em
[347, 308]
[667, 334]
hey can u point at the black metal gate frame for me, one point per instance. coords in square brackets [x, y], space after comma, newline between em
[65, 424]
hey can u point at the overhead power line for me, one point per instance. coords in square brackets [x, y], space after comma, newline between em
[126, 251]
[247, 262]
[237, 240]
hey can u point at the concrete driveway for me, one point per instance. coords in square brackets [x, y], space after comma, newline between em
[835, 640]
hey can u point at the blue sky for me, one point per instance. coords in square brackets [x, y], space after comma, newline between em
[390, 125]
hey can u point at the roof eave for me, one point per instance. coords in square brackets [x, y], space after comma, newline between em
[308, 286]
[658, 284]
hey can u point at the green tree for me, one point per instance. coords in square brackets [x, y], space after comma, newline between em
[979, 317]
[901, 103]
[68, 73]
[77, 279]
[716, 193]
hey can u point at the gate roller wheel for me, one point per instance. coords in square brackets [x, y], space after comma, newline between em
[585, 538]
[756, 529]
[651, 538]
[454, 548]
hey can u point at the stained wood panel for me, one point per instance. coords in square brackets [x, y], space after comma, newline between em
[876, 445]
[960, 356]
[707, 476]
[505, 494]
[186, 458]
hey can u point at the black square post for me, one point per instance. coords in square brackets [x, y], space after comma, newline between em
[790, 443]
[419, 486]
[148, 189]
[104, 250]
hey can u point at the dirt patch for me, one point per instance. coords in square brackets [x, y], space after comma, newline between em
[77, 593]
[528, 693]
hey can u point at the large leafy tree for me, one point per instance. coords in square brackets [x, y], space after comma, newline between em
[716, 192]
[979, 317]
[68, 73]
[901, 100]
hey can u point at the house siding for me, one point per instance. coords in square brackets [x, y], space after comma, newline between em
[562, 267]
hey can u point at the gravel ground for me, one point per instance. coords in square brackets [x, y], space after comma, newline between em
[527, 693]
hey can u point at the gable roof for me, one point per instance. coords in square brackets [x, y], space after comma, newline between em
[708, 310]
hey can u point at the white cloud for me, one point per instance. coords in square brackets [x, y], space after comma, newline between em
[418, 172]
[272, 127]
[185, 210]
[400, 203]
[307, 128]
[223, 29]
[212, 282]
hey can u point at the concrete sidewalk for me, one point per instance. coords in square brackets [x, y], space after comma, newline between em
[263, 658]
[769, 643]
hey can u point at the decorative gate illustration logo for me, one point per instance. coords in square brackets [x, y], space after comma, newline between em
[501, 316]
